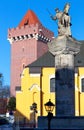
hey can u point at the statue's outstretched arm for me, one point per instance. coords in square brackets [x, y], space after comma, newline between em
[53, 17]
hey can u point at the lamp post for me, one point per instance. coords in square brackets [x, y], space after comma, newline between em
[34, 108]
[49, 106]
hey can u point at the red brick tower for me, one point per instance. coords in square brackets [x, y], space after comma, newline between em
[28, 42]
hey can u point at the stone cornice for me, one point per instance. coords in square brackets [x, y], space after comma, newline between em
[64, 45]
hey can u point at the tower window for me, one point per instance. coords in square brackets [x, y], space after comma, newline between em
[82, 84]
[23, 66]
[52, 85]
[23, 49]
[26, 22]
[34, 30]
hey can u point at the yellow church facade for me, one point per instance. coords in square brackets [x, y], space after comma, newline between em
[35, 88]
[38, 86]
[79, 92]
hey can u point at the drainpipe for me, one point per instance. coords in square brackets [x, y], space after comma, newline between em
[41, 102]
[78, 93]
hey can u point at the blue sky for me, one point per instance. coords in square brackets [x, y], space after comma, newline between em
[12, 12]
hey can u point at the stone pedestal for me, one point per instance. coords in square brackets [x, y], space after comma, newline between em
[64, 48]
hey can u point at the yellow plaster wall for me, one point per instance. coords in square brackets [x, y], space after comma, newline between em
[77, 109]
[46, 74]
[81, 94]
[30, 93]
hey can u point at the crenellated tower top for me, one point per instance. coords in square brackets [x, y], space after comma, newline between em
[30, 27]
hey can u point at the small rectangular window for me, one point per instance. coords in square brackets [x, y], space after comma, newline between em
[52, 85]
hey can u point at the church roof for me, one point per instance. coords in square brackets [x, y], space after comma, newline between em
[29, 18]
[48, 60]
[79, 58]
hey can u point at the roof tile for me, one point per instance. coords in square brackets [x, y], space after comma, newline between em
[29, 18]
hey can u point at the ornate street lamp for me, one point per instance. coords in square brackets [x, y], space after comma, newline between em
[34, 108]
[49, 106]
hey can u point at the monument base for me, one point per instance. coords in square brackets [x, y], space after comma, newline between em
[66, 122]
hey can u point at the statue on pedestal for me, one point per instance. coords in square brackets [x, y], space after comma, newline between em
[64, 47]
[63, 21]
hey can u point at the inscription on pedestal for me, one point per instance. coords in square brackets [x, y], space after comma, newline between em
[65, 92]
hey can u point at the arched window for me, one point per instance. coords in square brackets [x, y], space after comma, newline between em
[82, 84]
[52, 85]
